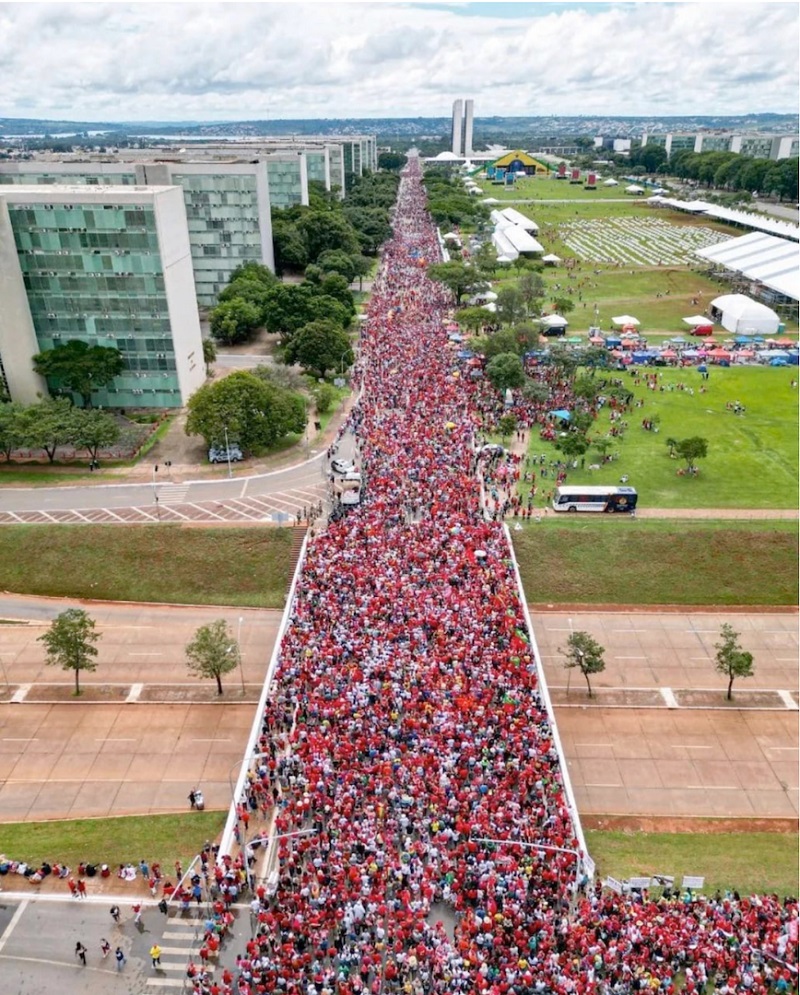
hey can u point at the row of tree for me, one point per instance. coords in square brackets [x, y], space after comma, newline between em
[70, 643]
[448, 201]
[585, 654]
[735, 172]
[53, 423]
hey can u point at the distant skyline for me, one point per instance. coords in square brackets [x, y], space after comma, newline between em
[231, 62]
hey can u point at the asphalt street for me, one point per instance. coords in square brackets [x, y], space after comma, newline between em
[38, 938]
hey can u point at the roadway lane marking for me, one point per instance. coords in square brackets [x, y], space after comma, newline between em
[669, 698]
[20, 739]
[14, 920]
[788, 700]
[141, 511]
[144, 654]
[21, 693]
[588, 785]
[795, 748]
[166, 982]
[233, 501]
[111, 739]
[218, 739]
[207, 511]
[631, 658]
[688, 746]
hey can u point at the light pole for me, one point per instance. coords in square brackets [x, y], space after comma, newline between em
[155, 490]
[239, 644]
[569, 669]
[227, 450]
[543, 848]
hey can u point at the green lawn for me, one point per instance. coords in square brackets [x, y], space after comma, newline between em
[752, 459]
[751, 863]
[609, 559]
[168, 563]
[546, 188]
[162, 838]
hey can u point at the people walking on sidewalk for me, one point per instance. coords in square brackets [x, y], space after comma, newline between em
[155, 954]
[80, 951]
[105, 947]
[120, 958]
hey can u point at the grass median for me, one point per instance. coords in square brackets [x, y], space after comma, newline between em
[751, 863]
[617, 560]
[248, 567]
[128, 839]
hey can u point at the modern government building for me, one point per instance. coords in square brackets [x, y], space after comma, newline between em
[120, 250]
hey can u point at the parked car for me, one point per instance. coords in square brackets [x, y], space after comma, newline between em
[343, 466]
[219, 454]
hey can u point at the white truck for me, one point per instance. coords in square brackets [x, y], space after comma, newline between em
[348, 488]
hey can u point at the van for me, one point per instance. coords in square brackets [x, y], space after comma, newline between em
[219, 454]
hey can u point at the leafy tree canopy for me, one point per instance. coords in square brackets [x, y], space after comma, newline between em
[731, 659]
[213, 652]
[78, 367]
[235, 320]
[585, 653]
[320, 346]
[505, 371]
[69, 643]
[255, 413]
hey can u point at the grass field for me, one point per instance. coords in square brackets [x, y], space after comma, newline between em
[162, 838]
[163, 563]
[751, 863]
[617, 560]
[752, 458]
[546, 188]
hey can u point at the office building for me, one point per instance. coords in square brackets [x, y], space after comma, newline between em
[457, 127]
[227, 206]
[109, 265]
[288, 178]
[469, 109]
[753, 146]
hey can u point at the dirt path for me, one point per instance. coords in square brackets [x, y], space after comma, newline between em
[668, 824]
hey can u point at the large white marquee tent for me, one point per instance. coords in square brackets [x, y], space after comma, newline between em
[763, 258]
[743, 316]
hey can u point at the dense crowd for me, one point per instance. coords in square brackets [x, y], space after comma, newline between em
[406, 726]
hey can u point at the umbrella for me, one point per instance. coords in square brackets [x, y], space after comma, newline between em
[561, 413]
[626, 319]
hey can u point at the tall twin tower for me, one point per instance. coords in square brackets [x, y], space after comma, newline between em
[462, 127]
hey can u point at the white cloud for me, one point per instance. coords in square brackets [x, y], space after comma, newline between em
[234, 61]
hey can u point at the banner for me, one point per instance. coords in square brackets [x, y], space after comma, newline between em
[692, 882]
[613, 885]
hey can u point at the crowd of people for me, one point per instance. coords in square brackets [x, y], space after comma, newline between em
[425, 840]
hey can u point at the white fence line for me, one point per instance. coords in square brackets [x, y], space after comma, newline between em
[545, 693]
[255, 731]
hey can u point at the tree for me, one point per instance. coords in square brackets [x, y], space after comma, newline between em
[536, 391]
[337, 286]
[691, 450]
[327, 230]
[563, 305]
[505, 371]
[371, 225]
[320, 346]
[363, 267]
[485, 259]
[12, 427]
[49, 424]
[253, 272]
[78, 367]
[586, 387]
[472, 318]
[209, 354]
[289, 244]
[732, 660]
[94, 430]
[602, 444]
[70, 643]
[510, 306]
[213, 652]
[459, 278]
[253, 291]
[336, 261]
[324, 396]
[584, 653]
[391, 160]
[254, 412]
[234, 321]
[573, 444]
[506, 425]
[531, 290]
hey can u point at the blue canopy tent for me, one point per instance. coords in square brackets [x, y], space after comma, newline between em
[561, 413]
[465, 354]
[613, 341]
[641, 357]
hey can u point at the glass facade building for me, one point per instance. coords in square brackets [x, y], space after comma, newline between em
[109, 270]
[227, 207]
[288, 178]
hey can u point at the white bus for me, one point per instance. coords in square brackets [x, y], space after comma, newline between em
[582, 497]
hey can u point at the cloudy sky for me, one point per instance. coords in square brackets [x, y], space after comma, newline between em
[232, 61]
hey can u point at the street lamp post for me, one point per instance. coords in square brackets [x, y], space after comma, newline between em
[543, 848]
[239, 644]
[227, 450]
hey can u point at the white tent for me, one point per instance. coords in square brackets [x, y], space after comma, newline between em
[522, 240]
[554, 321]
[451, 237]
[634, 189]
[742, 315]
[490, 200]
[517, 218]
[610, 183]
[551, 257]
[626, 319]
[491, 306]
[697, 319]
